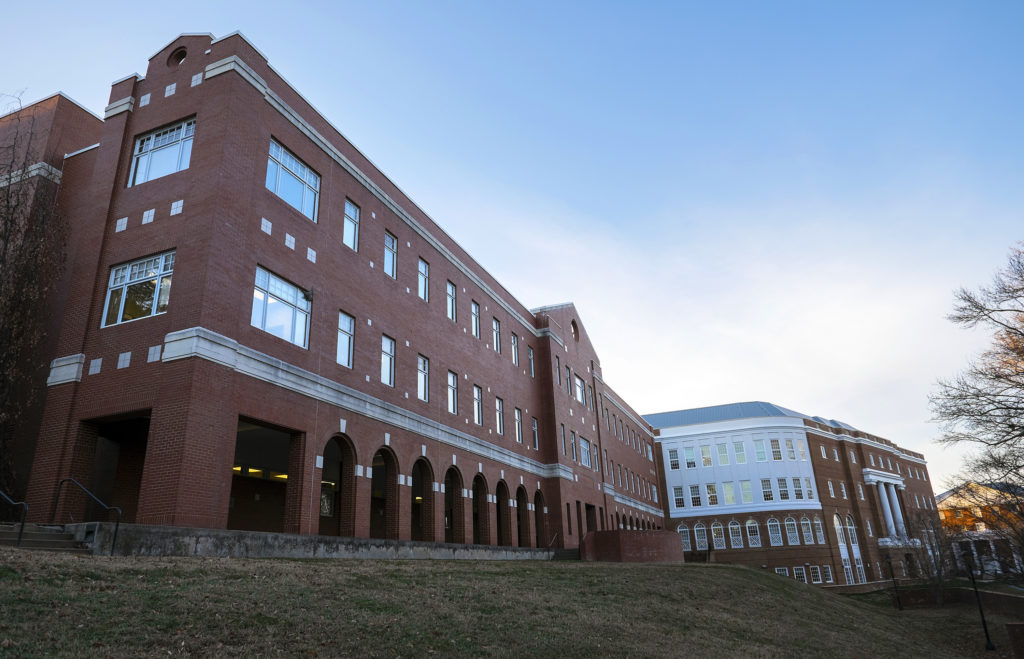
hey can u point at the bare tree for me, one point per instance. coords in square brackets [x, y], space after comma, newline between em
[988, 512]
[32, 246]
[932, 549]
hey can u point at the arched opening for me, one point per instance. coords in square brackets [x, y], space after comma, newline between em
[523, 516]
[384, 496]
[259, 483]
[538, 519]
[481, 525]
[504, 518]
[338, 488]
[422, 518]
[454, 527]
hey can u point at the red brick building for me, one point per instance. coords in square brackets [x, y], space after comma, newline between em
[328, 360]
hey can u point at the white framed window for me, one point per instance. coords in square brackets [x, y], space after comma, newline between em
[815, 573]
[453, 393]
[718, 535]
[853, 457]
[346, 338]
[835, 454]
[735, 535]
[831, 490]
[423, 280]
[691, 461]
[792, 532]
[871, 457]
[564, 452]
[678, 496]
[584, 452]
[782, 571]
[684, 536]
[746, 496]
[496, 334]
[515, 349]
[802, 449]
[774, 532]
[568, 390]
[723, 454]
[860, 491]
[753, 534]
[805, 526]
[740, 451]
[350, 226]
[776, 450]
[280, 308]
[422, 378]
[673, 458]
[695, 496]
[712, 491]
[705, 456]
[759, 452]
[536, 435]
[138, 289]
[819, 531]
[517, 415]
[390, 255]
[474, 312]
[827, 570]
[581, 390]
[529, 355]
[572, 445]
[451, 292]
[558, 378]
[499, 415]
[700, 534]
[798, 491]
[867, 524]
[478, 405]
[164, 151]
[790, 450]
[842, 488]
[729, 492]
[799, 574]
[783, 490]
[808, 489]
[766, 490]
[824, 456]
[387, 360]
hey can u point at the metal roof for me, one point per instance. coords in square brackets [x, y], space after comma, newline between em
[730, 411]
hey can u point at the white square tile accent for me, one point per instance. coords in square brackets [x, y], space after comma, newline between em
[147, 217]
[124, 360]
[266, 226]
[311, 254]
[121, 225]
[144, 100]
[176, 206]
[95, 366]
[289, 241]
[154, 354]
[169, 89]
[197, 79]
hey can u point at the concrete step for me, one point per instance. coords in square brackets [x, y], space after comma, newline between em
[41, 537]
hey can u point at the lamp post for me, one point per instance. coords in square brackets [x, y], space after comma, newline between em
[895, 585]
[968, 559]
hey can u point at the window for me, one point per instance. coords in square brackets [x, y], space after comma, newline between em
[558, 372]
[842, 488]
[766, 489]
[782, 571]
[565, 453]
[824, 456]
[422, 378]
[799, 574]
[705, 456]
[350, 228]
[581, 390]
[141, 289]
[853, 457]
[695, 496]
[496, 334]
[162, 152]
[740, 451]
[700, 534]
[805, 526]
[792, 532]
[280, 308]
[712, 491]
[450, 290]
[723, 454]
[860, 491]
[346, 338]
[745, 494]
[735, 535]
[774, 532]
[529, 354]
[871, 457]
[776, 450]
[568, 390]
[390, 255]
[808, 489]
[831, 490]
[499, 415]
[798, 492]
[867, 524]
[536, 435]
[815, 573]
[572, 445]
[684, 536]
[515, 349]
[802, 449]
[718, 535]
[585, 452]
[790, 451]
[387, 360]
[819, 532]
[423, 288]
[292, 180]
[783, 490]
[680, 498]
[835, 454]
[474, 308]
[827, 569]
[517, 415]
[759, 450]
[478, 405]
[729, 491]
[691, 461]
[753, 534]
[453, 393]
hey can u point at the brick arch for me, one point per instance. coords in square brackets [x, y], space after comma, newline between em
[338, 501]
[503, 515]
[481, 520]
[384, 494]
[454, 506]
[421, 519]
[523, 516]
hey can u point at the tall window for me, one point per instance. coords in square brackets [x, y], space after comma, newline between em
[678, 496]
[827, 571]
[766, 489]
[515, 349]
[387, 360]
[800, 574]
[584, 452]
[740, 451]
[700, 535]
[581, 390]
[705, 456]
[695, 496]
[139, 289]
[564, 452]
[790, 450]
[808, 489]
[842, 488]
[723, 454]
[499, 415]
[390, 255]
[346, 338]
[568, 390]
[162, 152]
[422, 378]
[691, 461]
[572, 444]
[673, 458]
[718, 535]
[729, 492]
[292, 180]
[496, 334]
[453, 393]
[783, 490]
[735, 535]
[536, 435]
[280, 308]
[759, 450]
[753, 534]
[805, 526]
[819, 531]
[774, 532]
[798, 491]
[529, 354]
[831, 490]
[558, 371]
[712, 491]
[478, 405]
[815, 574]
[684, 536]
[746, 496]
[474, 308]
[776, 450]
[350, 229]
[451, 307]
[517, 414]
[423, 278]
[792, 532]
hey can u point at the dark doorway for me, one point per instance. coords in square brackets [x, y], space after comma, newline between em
[523, 516]
[338, 488]
[117, 469]
[503, 516]
[454, 518]
[422, 501]
[384, 496]
[481, 527]
[259, 481]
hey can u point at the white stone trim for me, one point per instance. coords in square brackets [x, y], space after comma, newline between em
[66, 369]
[631, 502]
[126, 104]
[44, 169]
[75, 153]
[872, 476]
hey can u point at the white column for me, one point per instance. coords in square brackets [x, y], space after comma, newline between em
[883, 498]
[897, 512]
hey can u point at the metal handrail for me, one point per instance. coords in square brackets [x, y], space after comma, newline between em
[60, 489]
[553, 538]
[24, 512]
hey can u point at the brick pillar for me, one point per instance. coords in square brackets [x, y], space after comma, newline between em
[404, 507]
[58, 438]
[302, 504]
[362, 504]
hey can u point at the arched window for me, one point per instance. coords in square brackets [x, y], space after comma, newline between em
[819, 531]
[805, 526]
[700, 534]
[792, 532]
[684, 536]
[718, 535]
[753, 534]
[851, 530]
[774, 532]
[840, 536]
[736, 535]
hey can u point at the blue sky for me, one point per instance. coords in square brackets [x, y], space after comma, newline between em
[746, 200]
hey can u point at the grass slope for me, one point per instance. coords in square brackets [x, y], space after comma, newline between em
[57, 605]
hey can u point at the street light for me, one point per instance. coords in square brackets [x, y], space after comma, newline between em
[895, 586]
[968, 559]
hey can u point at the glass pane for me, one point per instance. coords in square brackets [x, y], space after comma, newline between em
[138, 302]
[139, 169]
[300, 329]
[278, 319]
[272, 175]
[349, 236]
[344, 349]
[389, 262]
[163, 162]
[165, 293]
[258, 302]
[113, 306]
[290, 189]
[309, 204]
[186, 154]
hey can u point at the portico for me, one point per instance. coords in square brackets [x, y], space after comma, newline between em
[887, 486]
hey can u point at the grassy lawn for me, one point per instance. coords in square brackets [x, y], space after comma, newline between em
[59, 605]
